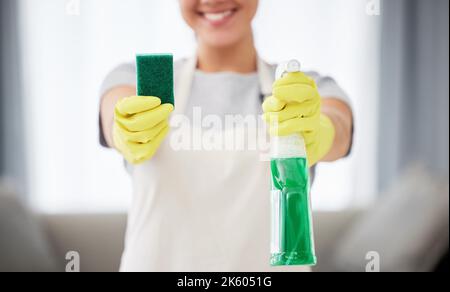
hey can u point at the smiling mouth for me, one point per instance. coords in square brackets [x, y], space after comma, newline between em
[218, 18]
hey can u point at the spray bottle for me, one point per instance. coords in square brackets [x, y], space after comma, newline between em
[292, 241]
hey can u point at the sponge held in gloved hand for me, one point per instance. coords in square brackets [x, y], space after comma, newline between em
[155, 76]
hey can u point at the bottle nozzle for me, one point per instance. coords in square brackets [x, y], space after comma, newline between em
[288, 67]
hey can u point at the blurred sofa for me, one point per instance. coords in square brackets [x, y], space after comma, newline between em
[99, 238]
[33, 242]
[408, 228]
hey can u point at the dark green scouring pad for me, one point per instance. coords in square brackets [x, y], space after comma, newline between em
[155, 76]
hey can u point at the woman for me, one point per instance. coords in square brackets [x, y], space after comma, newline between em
[198, 210]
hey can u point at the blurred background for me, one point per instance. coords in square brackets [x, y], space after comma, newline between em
[60, 191]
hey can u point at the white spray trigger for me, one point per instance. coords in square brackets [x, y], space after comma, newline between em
[287, 67]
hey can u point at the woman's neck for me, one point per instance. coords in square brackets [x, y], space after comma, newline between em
[239, 58]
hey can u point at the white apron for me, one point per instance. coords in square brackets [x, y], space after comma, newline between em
[201, 210]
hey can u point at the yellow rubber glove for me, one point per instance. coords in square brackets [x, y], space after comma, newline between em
[140, 125]
[295, 108]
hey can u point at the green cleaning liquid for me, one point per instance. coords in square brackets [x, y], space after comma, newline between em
[292, 240]
[292, 234]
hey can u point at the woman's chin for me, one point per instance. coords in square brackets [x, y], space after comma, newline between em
[221, 41]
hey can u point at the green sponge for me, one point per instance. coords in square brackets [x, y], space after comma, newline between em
[155, 76]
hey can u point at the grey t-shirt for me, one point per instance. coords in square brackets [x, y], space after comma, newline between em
[222, 93]
[225, 94]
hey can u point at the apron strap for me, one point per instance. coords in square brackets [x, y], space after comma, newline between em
[183, 84]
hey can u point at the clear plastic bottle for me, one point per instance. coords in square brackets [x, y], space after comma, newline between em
[292, 241]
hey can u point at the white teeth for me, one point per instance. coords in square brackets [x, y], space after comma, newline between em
[217, 16]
